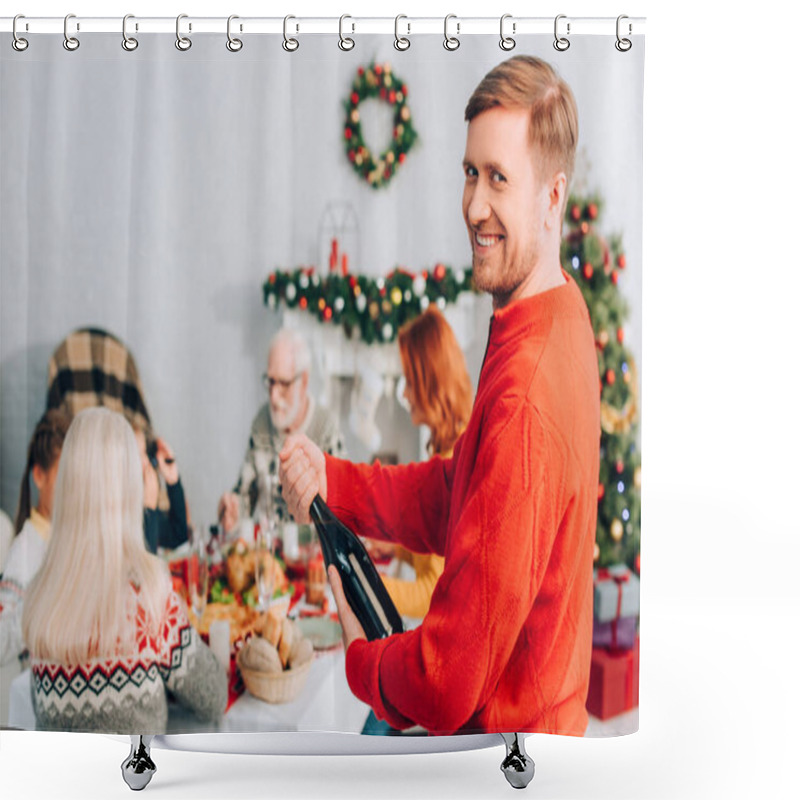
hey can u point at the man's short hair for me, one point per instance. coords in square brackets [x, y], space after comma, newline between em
[297, 346]
[528, 82]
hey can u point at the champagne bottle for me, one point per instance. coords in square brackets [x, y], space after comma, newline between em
[362, 585]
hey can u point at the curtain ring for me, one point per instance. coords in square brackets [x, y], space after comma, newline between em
[401, 42]
[129, 43]
[623, 45]
[345, 42]
[18, 43]
[70, 42]
[183, 43]
[507, 42]
[289, 44]
[451, 42]
[561, 43]
[233, 44]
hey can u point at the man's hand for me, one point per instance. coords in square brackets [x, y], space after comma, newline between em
[302, 475]
[351, 627]
[167, 465]
[228, 511]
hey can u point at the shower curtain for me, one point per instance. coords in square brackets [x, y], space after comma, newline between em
[191, 201]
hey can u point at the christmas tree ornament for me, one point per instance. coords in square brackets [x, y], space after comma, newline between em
[611, 377]
[588, 271]
[303, 303]
[620, 335]
[616, 530]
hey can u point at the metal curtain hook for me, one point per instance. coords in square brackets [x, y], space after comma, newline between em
[345, 42]
[289, 44]
[623, 45]
[451, 42]
[183, 43]
[129, 43]
[234, 45]
[507, 42]
[401, 42]
[561, 43]
[70, 42]
[18, 43]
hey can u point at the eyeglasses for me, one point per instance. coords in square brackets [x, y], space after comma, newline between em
[271, 383]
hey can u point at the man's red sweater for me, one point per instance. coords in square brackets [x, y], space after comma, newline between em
[506, 644]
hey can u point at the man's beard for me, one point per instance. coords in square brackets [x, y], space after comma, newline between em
[285, 415]
[501, 278]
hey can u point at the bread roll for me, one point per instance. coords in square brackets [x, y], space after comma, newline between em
[302, 651]
[286, 642]
[272, 627]
[260, 655]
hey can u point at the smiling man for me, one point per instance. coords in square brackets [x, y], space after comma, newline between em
[506, 645]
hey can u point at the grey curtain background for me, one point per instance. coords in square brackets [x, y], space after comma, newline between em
[150, 193]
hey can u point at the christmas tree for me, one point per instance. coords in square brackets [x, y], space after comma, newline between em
[596, 264]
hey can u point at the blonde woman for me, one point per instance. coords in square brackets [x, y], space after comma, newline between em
[106, 633]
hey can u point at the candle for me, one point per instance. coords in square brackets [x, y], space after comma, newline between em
[344, 264]
[219, 642]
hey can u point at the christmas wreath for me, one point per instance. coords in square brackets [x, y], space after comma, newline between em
[372, 309]
[378, 81]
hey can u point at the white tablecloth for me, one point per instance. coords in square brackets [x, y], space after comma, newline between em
[324, 704]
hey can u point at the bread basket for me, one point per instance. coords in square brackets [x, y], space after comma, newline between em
[274, 687]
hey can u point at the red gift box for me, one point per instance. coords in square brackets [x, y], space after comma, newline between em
[613, 681]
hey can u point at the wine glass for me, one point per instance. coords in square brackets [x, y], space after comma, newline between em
[198, 570]
[265, 563]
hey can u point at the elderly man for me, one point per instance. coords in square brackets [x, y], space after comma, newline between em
[506, 644]
[290, 409]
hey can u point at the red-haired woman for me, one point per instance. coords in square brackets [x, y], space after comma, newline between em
[439, 393]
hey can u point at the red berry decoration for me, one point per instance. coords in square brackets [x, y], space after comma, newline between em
[621, 261]
[354, 98]
[353, 281]
[575, 211]
[439, 272]
[620, 467]
[348, 134]
[588, 271]
[614, 277]
[620, 335]
[303, 303]
[610, 377]
[327, 314]
[592, 211]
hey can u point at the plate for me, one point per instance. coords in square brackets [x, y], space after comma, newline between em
[323, 632]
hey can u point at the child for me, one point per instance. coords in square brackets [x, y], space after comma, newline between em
[32, 528]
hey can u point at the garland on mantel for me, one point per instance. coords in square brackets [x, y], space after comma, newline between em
[372, 309]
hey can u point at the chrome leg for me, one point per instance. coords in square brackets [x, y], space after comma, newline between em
[517, 766]
[138, 768]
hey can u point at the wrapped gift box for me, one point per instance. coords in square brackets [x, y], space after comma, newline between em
[616, 593]
[613, 681]
[619, 634]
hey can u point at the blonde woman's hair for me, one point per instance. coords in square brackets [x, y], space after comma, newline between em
[81, 604]
[529, 83]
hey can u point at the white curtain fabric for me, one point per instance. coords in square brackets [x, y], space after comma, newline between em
[150, 193]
